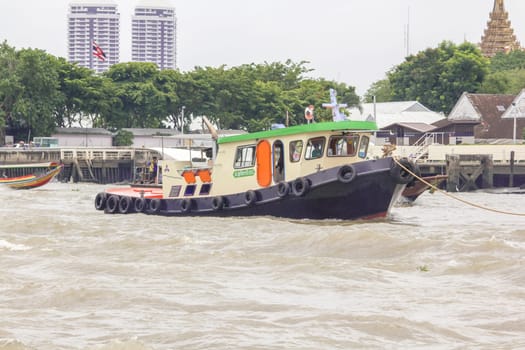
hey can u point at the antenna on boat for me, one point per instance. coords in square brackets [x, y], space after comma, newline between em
[210, 127]
[334, 106]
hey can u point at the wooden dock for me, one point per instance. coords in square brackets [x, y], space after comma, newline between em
[97, 165]
[472, 167]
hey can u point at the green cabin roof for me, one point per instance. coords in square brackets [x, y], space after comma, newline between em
[302, 129]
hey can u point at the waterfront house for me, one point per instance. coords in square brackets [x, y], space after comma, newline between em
[488, 110]
[400, 123]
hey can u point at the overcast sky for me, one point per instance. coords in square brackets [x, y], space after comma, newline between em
[351, 41]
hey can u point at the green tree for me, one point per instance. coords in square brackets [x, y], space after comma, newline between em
[437, 77]
[254, 96]
[10, 87]
[141, 104]
[382, 91]
[507, 74]
[37, 73]
[514, 60]
[123, 138]
[509, 82]
[74, 84]
[98, 100]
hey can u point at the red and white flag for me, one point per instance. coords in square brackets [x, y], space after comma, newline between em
[98, 52]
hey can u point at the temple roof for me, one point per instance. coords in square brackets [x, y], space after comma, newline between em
[499, 35]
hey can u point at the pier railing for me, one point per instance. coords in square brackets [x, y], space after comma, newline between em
[437, 153]
[37, 154]
[102, 165]
[421, 146]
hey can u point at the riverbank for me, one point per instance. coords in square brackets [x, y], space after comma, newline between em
[470, 167]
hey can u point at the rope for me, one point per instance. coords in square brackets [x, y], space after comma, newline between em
[455, 197]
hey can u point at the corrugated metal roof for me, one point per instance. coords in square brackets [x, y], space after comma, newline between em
[419, 127]
[446, 122]
[93, 2]
[82, 131]
[155, 4]
[152, 132]
[490, 105]
[389, 113]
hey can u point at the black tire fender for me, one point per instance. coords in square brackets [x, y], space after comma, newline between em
[400, 175]
[186, 205]
[300, 186]
[112, 204]
[283, 189]
[125, 204]
[100, 201]
[346, 173]
[154, 205]
[217, 203]
[250, 197]
[139, 205]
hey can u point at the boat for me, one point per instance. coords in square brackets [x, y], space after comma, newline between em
[319, 170]
[419, 185]
[504, 190]
[30, 181]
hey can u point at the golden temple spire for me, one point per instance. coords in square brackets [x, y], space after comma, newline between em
[499, 6]
[499, 35]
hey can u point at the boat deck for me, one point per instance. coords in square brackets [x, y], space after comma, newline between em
[137, 192]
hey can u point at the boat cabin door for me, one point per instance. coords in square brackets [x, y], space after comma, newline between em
[270, 162]
[278, 161]
[264, 163]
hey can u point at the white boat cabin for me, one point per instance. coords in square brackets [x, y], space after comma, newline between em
[263, 159]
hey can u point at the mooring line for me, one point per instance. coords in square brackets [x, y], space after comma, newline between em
[455, 197]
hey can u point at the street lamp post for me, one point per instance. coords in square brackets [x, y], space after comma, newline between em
[182, 120]
[514, 112]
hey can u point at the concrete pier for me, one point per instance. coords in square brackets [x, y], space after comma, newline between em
[470, 167]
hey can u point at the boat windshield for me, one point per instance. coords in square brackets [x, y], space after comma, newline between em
[315, 148]
[343, 145]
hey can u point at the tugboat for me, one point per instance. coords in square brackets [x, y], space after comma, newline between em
[312, 171]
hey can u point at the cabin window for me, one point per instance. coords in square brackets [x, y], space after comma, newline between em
[245, 157]
[315, 148]
[363, 147]
[175, 191]
[296, 148]
[343, 145]
[205, 189]
[190, 190]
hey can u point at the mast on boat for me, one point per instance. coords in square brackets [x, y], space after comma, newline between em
[337, 116]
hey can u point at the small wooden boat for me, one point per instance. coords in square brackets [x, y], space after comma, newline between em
[312, 171]
[32, 180]
[418, 186]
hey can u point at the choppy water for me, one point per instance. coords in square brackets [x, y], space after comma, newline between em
[437, 275]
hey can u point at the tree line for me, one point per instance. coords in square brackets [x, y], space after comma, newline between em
[40, 92]
[437, 77]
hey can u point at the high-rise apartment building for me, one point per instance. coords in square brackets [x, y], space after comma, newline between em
[153, 32]
[93, 33]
